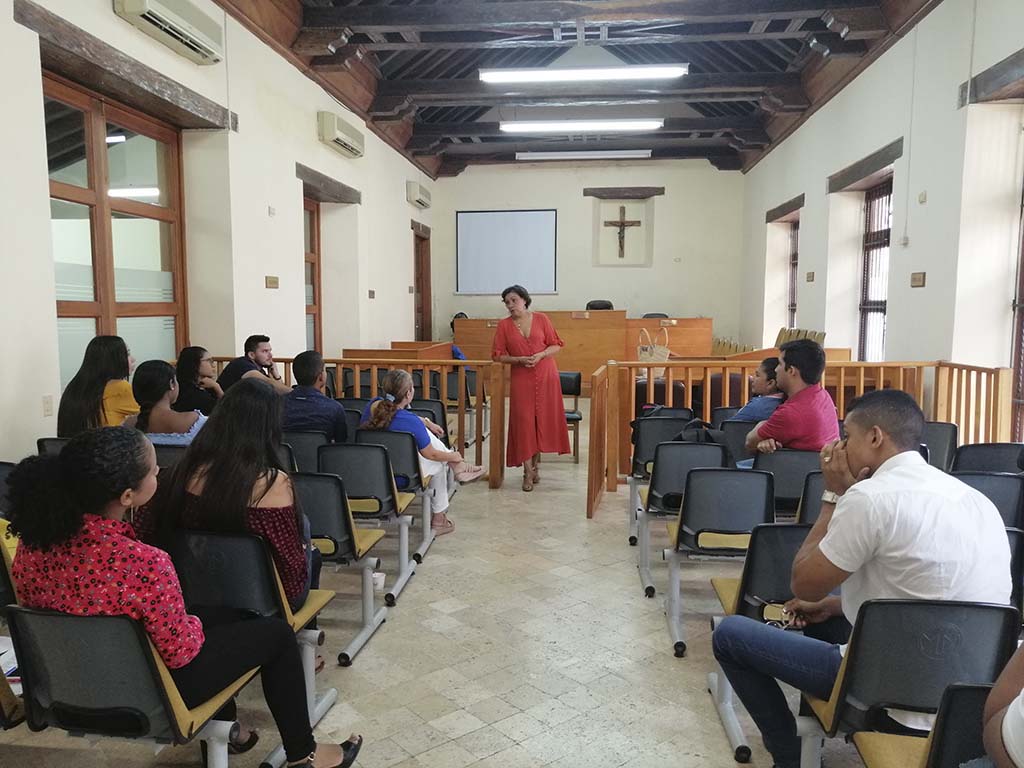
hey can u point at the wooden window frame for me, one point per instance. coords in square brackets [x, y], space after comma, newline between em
[794, 267]
[1017, 419]
[874, 239]
[313, 257]
[104, 308]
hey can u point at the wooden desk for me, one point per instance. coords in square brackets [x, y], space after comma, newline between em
[687, 336]
[591, 338]
[404, 350]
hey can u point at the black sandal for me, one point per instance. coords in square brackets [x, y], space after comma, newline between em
[235, 748]
[349, 748]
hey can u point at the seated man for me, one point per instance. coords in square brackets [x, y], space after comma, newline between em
[306, 408]
[891, 526]
[257, 362]
[807, 419]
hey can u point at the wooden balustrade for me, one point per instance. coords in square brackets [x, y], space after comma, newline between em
[488, 387]
[977, 399]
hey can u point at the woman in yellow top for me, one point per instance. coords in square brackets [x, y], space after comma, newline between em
[99, 395]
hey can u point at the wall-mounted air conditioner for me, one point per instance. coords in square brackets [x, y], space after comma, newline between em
[339, 135]
[417, 194]
[178, 24]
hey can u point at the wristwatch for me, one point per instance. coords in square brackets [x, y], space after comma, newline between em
[830, 497]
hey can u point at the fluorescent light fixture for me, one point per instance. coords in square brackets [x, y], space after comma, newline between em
[592, 154]
[584, 74]
[135, 192]
[117, 139]
[581, 126]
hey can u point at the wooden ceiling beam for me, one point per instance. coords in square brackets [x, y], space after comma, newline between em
[832, 45]
[469, 14]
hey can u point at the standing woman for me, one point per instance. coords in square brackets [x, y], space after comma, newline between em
[536, 421]
[197, 382]
[99, 395]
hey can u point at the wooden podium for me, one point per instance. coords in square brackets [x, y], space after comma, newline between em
[594, 337]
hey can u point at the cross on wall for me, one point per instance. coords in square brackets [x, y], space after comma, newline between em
[622, 224]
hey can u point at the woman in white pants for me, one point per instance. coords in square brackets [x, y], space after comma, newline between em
[444, 466]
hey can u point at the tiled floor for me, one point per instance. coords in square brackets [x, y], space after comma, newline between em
[523, 640]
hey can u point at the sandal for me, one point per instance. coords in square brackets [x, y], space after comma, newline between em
[320, 664]
[470, 474]
[236, 748]
[443, 527]
[350, 749]
[527, 481]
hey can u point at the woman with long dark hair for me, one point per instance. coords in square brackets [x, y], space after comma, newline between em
[232, 480]
[156, 388]
[444, 466]
[99, 395]
[77, 555]
[198, 389]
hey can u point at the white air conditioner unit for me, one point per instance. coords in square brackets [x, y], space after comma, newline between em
[417, 194]
[339, 135]
[178, 24]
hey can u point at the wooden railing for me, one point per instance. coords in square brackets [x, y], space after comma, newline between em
[977, 399]
[489, 387]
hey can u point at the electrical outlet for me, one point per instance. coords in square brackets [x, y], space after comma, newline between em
[272, 281]
[917, 279]
[373, 294]
[810, 277]
[922, 197]
[271, 211]
[47, 405]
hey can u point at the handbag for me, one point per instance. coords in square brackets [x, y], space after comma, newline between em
[648, 351]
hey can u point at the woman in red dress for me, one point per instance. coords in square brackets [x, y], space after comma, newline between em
[536, 421]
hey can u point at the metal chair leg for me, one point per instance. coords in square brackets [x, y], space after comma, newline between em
[371, 619]
[673, 607]
[811, 742]
[406, 565]
[643, 552]
[634, 505]
[721, 693]
[215, 736]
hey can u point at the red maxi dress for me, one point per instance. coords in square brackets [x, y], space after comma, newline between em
[536, 419]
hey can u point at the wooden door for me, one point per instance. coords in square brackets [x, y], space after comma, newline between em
[421, 288]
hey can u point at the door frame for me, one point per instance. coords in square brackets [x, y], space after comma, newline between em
[421, 280]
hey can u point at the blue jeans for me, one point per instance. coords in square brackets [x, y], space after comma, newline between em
[754, 656]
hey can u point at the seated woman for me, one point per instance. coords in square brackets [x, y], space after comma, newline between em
[78, 556]
[389, 412]
[99, 395]
[197, 382]
[232, 480]
[156, 388]
[767, 395]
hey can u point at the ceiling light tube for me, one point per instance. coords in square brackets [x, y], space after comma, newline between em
[581, 126]
[592, 154]
[135, 192]
[116, 139]
[584, 74]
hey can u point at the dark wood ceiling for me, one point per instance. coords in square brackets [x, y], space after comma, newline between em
[758, 68]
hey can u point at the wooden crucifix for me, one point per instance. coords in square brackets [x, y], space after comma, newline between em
[622, 224]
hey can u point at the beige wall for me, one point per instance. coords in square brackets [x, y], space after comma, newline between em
[910, 92]
[696, 239]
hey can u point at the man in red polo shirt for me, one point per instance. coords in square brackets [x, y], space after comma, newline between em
[807, 420]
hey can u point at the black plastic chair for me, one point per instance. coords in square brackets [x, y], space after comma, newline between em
[790, 469]
[664, 496]
[51, 446]
[1016, 539]
[169, 455]
[572, 386]
[286, 456]
[654, 315]
[987, 457]
[304, 445]
[941, 438]
[101, 676]
[373, 495]
[956, 739]
[1003, 489]
[5, 471]
[599, 304]
[734, 435]
[647, 434]
[721, 414]
[434, 410]
[355, 403]
[322, 499]
[352, 420]
[903, 654]
[720, 509]
[810, 499]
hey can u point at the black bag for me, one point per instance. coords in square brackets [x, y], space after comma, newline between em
[696, 431]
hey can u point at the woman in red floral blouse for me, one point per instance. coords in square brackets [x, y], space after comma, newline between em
[78, 556]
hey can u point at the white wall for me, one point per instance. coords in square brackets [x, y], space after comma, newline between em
[697, 238]
[910, 92]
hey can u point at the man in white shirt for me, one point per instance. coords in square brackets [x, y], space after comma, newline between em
[891, 526]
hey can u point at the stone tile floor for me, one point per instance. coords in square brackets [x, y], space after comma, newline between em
[523, 640]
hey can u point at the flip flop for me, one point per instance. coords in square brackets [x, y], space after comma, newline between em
[471, 474]
[351, 750]
[238, 749]
[447, 526]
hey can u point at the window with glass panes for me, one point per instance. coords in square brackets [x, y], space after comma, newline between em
[875, 271]
[794, 263]
[115, 215]
[311, 227]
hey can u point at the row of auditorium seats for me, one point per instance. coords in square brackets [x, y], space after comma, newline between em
[715, 510]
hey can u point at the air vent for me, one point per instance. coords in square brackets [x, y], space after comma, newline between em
[178, 24]
[417, 194]
[339, 135]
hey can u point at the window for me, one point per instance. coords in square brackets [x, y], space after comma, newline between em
[115, 215]
[875, 275]
[311, 226]
[1018, 344]
[794, 262]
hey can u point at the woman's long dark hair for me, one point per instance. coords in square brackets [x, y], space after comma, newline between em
[235, 449]
[152, 380]
[188, 365]
[396, 384]
[81, 405]
[49, 495]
